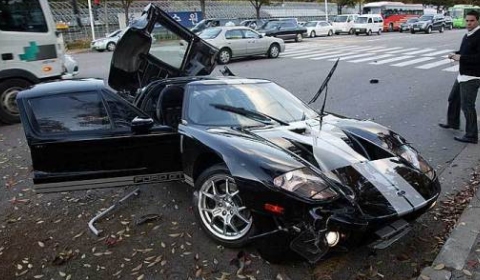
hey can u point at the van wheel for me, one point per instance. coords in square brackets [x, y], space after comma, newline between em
[413, 32]
[369, 32]
[337, 33]
[356, 33]
[390, 27]
[330, 32]
[350, 32]
[379, 31]
[8, 105]
[313, 34]
[299, 38]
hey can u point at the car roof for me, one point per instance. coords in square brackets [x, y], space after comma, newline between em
[59, 87]
[228, 80]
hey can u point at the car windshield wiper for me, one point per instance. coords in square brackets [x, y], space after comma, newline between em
[254, 115]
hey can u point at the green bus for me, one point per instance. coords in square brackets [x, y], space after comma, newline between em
[458, 12]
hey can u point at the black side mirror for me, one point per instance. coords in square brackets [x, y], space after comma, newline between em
[141, 125]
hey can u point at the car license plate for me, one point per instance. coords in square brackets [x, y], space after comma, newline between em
[358, 30]
[416, 29]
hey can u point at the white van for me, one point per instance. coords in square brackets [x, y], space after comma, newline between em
[344, 23]
[367, 24]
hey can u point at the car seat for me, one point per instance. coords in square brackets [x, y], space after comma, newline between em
[169, 105]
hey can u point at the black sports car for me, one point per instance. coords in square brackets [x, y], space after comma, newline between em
[264, 166]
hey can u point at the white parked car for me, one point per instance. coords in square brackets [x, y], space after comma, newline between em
[367, 24]
[239, 41]
[318, 27]
[108, 43]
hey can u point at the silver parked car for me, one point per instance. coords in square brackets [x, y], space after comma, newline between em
[318, 27]
[108, 43]
[239, 41]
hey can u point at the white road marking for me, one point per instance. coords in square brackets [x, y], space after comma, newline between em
[434, 64]
[420, 51]
[451, 69]
[392, 59]
[370, 58]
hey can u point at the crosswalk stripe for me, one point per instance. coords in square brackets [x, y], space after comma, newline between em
[439, 52]
[394, 48]
[404, 50]
[351, 56]
[330, 56]
[370, 58]
[392, 59]
[434, 64]
[451, 69]
[296, 53]
[420, 51]
[311, 51]
[317, 54]
[410, 62]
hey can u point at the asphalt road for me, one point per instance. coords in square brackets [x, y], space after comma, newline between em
[411, 98]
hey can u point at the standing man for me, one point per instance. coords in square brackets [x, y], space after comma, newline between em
[465, 89]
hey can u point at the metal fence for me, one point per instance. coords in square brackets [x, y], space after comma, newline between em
[107, 14]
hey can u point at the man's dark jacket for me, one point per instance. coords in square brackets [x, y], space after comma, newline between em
[470, 55]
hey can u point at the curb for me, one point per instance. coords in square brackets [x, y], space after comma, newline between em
[457, 248]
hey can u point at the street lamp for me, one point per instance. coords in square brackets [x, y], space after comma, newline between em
[91, 18]
[326, 11]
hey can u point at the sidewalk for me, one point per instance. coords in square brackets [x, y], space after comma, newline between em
[458, 258]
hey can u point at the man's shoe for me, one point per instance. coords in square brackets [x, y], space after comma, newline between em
[466, 139]
[444, 125]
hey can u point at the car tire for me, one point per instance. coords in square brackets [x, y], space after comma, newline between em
[413, 32]
[450, 27]
[379, 32]
[350, 32]
[274, 51]
[369, 32]
[8, 105]
[400, 30]
[390, 27]
[356, 33]
[299, 38]
[429, 30]
[224, 56]
[313, 34]
[220, 209]
[330, 32]
[100, 50]
[111, 46]
[442, 28]
[337, 33]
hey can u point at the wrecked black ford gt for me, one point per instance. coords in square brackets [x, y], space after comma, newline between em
[263, 165]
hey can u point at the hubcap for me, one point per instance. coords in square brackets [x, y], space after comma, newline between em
[274, 52]
[221, 208]
[7, 100]
[224, 56]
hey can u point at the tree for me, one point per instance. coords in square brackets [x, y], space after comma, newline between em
[126, 6]
[345, 3]
[202, 8]
[257, 4]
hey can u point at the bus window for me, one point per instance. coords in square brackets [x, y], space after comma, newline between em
[22, 15]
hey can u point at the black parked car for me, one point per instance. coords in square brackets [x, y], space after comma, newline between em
[263, 166]
[285, 29]
[427, 23]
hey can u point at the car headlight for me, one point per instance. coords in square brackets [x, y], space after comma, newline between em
[411, 155]
[305, 183]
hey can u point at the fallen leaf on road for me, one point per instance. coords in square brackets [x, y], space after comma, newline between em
[439, 266]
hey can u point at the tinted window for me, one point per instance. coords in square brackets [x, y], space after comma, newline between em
[70, 112]
[234, 34]
[310, 24]
[288, 25]
[22, 15]
[122, 113]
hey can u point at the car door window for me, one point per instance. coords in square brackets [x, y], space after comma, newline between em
[121, 112]
[233, 34]
[82, 111]
[249, 34]
[370, 20]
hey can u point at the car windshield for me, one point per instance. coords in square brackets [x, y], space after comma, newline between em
[361, 20]
[341, 19]
[426, 18]
[267, 98]
[115, 33]
[210, 33]
[311, 24]
[412, 20]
